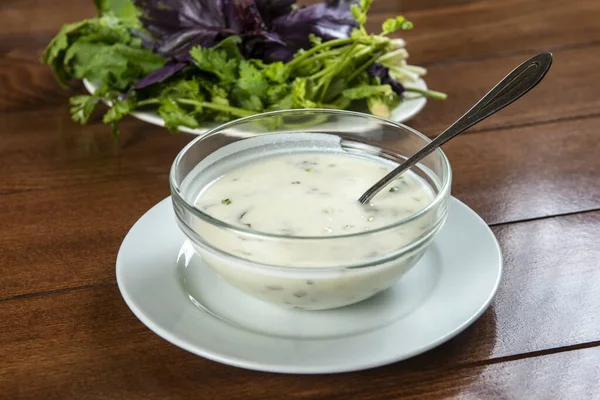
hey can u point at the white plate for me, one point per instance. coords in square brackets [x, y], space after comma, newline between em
[410, 107]
[450, 287]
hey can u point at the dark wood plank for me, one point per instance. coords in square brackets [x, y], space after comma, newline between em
[469, 29]
[87, 343]
[61, 238]
[529, 172]
[505, 175]
[565, 93]
[550, 264]
[46, 149]
[38, 16]
[26, 84]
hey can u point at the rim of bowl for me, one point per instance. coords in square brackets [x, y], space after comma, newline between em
[238, 229]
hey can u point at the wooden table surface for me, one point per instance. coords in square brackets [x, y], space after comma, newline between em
[68, 196]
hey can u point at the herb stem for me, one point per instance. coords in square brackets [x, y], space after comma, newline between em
[238, 112]
[147, 102]
[363, 67]
[318, 48]
[428, 93]
[339, 66]
[324, 54]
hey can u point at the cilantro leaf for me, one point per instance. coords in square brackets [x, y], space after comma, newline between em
[221, 60]
[118, 110]
[277, 72]
[391, 25]
[175, 116]
[301, 94]
[82, 107]
[123, 9]
[252, 80]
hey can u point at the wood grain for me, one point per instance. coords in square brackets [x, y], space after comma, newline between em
[71, 236]
[529, 172]
[68, 196]
[486, 27]
[565, 93]
[548, 263]
[505, 175]
[100, 351]
[72, 154]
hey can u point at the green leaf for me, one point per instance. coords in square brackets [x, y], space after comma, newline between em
[123, 9]
[277, 92]
[286, 103]
[357, 14]
[252, 80]
[116, 65]
[117, 112]
[393, 24]
[54, 54]
[314, 39]
[82, 107]
[378, 107]
[243, 99]
[183, 88]
[216, 62]
[365, 5]
[221, 60]
[301, 94]
[277, 72]
[175, 116]
[362, 92]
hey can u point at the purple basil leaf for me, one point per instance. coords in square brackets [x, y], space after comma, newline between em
[381, 72]
[271, 9]
[328, 20]
[179, 25]
[267, 47]
[248, 16]
[161, 74]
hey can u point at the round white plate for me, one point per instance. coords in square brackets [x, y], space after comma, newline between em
[410, 107]
[450, 287]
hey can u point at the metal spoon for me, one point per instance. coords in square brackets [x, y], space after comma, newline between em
[520, 81]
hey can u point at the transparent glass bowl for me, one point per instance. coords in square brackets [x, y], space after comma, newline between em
[318, 272]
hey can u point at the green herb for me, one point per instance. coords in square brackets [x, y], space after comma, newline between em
[219, 84]
[226, 202]
[394, 189]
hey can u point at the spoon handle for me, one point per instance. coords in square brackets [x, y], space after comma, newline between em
[521, 80]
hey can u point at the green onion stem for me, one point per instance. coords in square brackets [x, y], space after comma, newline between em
[339, 66]
[316, 49]
[363, 67]
[238, 112]
[428, 93]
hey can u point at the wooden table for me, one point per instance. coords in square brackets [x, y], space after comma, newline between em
[68, 197]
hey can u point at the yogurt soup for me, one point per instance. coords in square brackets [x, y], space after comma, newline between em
[303, 242]
[313, 194]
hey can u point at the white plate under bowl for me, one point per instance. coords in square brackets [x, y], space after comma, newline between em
[410, 107]
[170, 289]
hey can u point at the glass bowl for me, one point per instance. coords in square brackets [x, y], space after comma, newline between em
[307, 272]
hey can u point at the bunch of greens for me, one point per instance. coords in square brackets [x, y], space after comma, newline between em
[217, 60]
